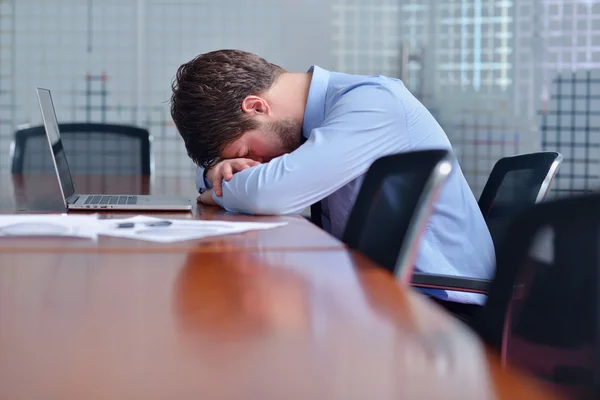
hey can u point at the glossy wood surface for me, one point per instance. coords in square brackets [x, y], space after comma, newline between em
[40, 193]
[251, 325]
[282, 314]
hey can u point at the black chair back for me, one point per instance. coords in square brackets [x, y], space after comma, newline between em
[90, 148]
[542, 307]
[516, 183]
[393, 206]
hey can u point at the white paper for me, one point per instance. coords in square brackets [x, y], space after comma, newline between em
[21, 225]
[89, 226]
[178, 230]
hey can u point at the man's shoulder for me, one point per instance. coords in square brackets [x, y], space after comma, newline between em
[362, 90]
[341, 79]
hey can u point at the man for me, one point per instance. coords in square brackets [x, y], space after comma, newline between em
[268, 141]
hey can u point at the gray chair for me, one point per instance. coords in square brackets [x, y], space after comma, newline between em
[104, 149]
[515, 184]
[393, 206]
[542, 308]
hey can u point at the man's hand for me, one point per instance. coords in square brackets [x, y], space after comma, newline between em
[225, 170]
[206, 198]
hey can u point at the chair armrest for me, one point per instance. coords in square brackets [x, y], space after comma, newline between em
[449, 282]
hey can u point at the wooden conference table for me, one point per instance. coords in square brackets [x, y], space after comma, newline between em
[287, 313]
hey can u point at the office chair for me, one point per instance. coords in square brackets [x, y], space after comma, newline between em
[515, 184]
[90, 148]
[393, 206]
[542, 307]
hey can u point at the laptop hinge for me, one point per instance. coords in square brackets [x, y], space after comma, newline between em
[72, 199]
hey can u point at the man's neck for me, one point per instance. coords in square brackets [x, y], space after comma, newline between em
[289, 94]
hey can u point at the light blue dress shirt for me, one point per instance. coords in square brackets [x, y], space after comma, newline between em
[349, 122]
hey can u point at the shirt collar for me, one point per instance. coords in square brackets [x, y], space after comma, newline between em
[314, 114]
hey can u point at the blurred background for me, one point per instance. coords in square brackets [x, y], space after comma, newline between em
[502, 77]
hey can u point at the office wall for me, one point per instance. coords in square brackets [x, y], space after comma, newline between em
[491, 70]
[113, 60]
[487, 69]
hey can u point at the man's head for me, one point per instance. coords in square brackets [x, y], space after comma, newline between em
[226, 104]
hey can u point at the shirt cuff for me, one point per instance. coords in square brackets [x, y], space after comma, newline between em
[202, 184]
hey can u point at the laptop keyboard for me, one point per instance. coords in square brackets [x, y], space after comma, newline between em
[111, 200]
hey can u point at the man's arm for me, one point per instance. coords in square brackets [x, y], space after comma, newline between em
[223, 170]
[365, 124]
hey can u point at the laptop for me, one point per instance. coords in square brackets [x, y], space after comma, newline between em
[76, 201]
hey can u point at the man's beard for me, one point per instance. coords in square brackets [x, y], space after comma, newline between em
[288, 132]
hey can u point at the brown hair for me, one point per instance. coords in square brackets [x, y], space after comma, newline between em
[208, 92]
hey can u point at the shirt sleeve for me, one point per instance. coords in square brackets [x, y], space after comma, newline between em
[365, 123]
[202, 184]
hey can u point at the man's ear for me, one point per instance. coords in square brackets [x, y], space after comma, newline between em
[255, 105]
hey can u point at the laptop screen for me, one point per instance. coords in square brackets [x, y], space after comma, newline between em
[56, 147]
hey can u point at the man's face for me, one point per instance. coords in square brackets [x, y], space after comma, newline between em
[270, 140]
